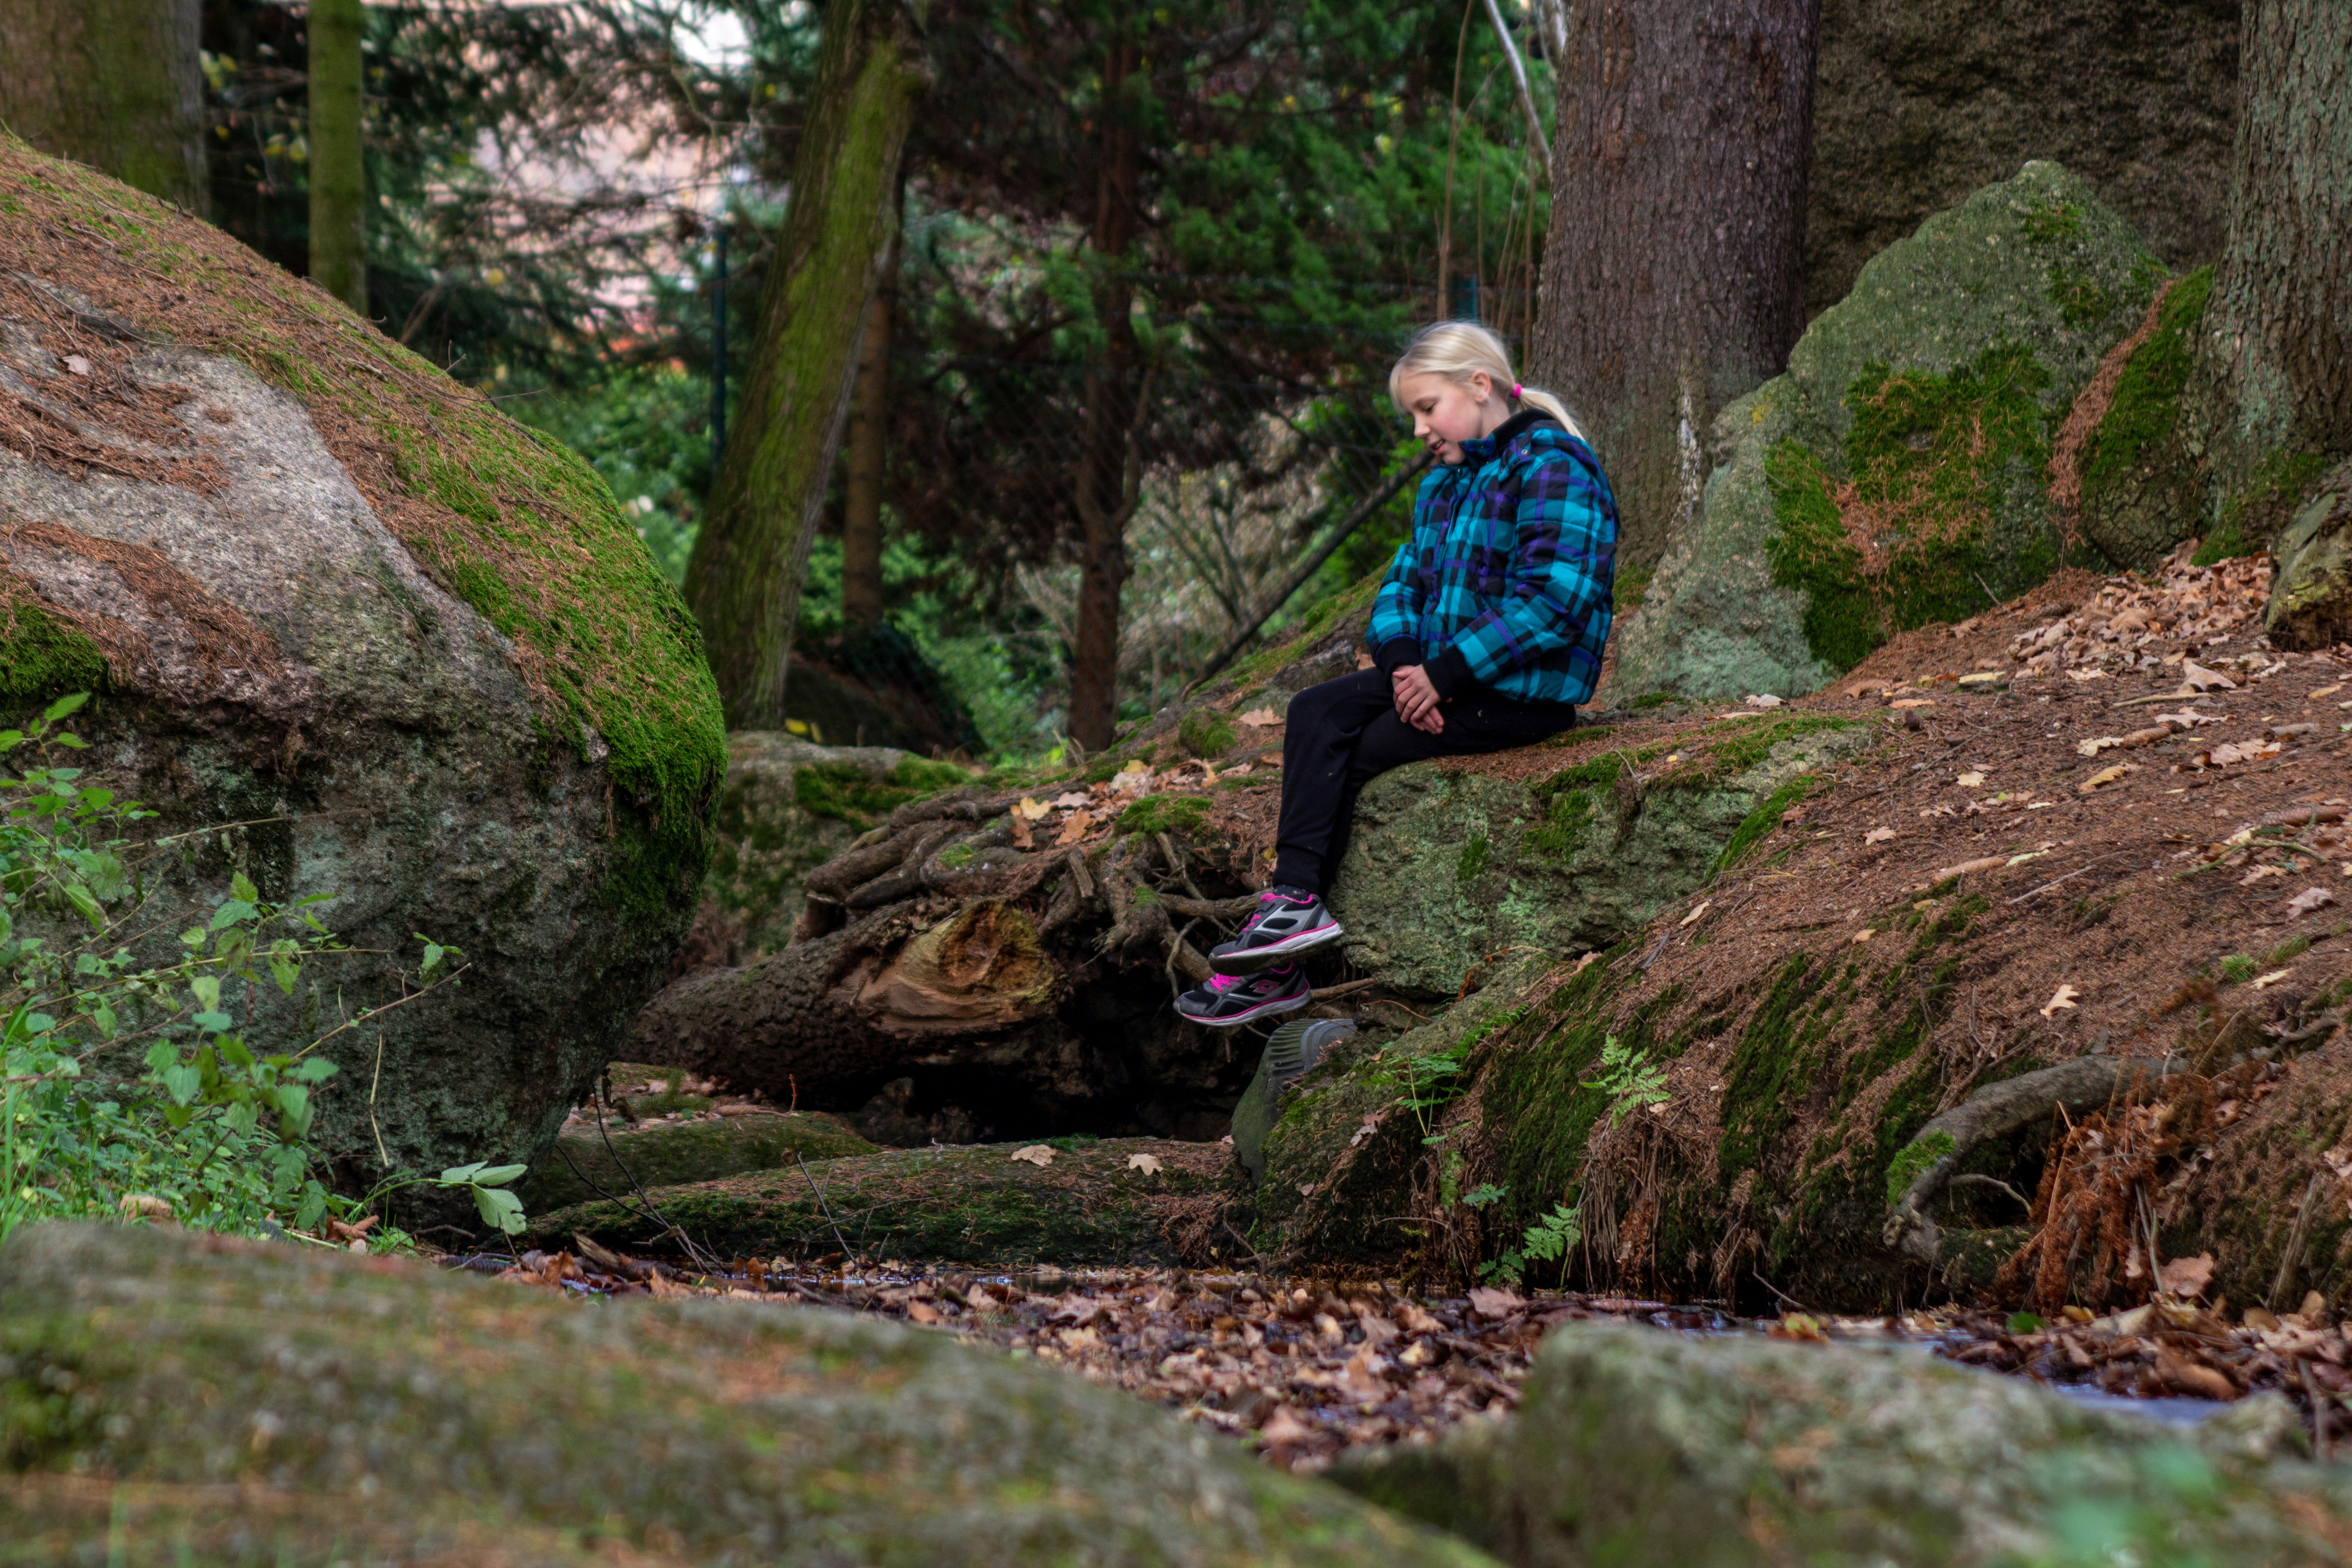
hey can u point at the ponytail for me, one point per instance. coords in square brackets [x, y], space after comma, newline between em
[1459, 350]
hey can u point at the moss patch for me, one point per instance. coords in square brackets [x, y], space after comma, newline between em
[1473, 860]
[1761, 821]
[848, 793]
[1916, 1157]
[1913, 534]
[2146, 406]
[42, 656]
[1166, 814]
[2254, 515]
[680, 1152]
[1206, 732]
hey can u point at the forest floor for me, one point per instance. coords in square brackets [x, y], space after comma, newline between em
[2138, 786]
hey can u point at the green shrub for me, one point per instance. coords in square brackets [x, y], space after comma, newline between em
[203, 1131]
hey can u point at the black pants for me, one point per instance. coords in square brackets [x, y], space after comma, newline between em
[1344, 733]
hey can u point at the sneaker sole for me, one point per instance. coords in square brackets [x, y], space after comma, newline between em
[1258, 959]
[1263, 1010]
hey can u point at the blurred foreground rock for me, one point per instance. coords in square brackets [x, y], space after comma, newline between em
[1642, 1448]
[253, 1403]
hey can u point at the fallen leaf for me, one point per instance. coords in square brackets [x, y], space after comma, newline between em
[1493, 1303]
[2323, 691]
[2093, 748]
[2196, 675]
[2087, 674]
[922, 1312]
[2103, 777]
[1868, 688]
[1763, 700]
[1913, 702]
[1261, 717]
[2258, 872]
[1036, 1155]
[2064, 999]
[2273, 978]
[1371, 1124]
[2308, 899]
[1146, 1163]
[2185, 1277]
[1036, 810]
[1283, 1429]
[76, 364]
[1970, 868]
[1071, 799]
[1360, 1377]
[1864, 934]
[1704, 906]
[1075, 827]
[1984, 677]
[1878, 836]
[1969, 779]
[1019, 826]
[2188, 718]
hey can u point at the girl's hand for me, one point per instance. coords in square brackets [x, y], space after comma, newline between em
[1416, 699]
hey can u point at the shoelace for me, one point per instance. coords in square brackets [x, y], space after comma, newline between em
[1221, 983]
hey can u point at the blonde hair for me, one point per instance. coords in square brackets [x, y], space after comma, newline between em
[1459, 350]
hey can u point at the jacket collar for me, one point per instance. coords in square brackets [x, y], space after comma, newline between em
[1481, 448]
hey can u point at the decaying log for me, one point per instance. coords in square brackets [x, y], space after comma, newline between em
[2082, 1084]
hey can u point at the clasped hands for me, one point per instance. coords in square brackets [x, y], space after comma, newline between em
[1416, 699]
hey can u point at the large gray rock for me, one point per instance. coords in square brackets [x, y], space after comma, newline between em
[393, 649]
[1919, 102]
[1914, 420]
[1637, 1447]
[254, 1403]
[2311, 598]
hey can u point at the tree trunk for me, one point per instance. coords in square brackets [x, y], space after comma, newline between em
[1108, 471]
[2274, 379]
[112, 83]
[744, 577]
[869, 407]
[1673, 278]
[338, 166]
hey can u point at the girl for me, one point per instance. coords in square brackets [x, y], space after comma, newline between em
[1486, 633]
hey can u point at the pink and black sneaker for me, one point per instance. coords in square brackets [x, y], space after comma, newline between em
[1285, 923]
[1227, 1001]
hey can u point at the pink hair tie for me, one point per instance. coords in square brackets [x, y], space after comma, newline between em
[1515, 391]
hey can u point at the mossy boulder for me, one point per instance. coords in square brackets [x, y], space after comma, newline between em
[1895, 475]
[622, 1158]
[1563, 848]
[1091, 1200]
[2311, 596]
[400, 651]
[165, 1398]
[787, 808]
[1640, 1446]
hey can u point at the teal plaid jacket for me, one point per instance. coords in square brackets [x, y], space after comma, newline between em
[1507, 582]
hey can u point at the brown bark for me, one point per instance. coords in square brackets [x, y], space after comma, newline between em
[869, 402]
[112, 83]
[2274, 368]
[750, 557]
[1108, 468]
[1673, 278]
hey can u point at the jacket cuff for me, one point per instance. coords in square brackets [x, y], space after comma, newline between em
[1397, 652]
[1449, 672]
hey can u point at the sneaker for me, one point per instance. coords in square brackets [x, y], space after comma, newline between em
[1227, 1001]
[1285, 923]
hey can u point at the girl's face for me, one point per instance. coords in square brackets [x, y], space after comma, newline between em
[1446, 412]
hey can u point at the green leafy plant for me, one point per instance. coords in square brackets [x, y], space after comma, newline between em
[196, 1127]
[1626, 1075]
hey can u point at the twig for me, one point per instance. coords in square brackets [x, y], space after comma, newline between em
[355, 1023]
[2070, 876]
[1345, 988]
[1994, 1181]
[383, 1158]
[824, 1206]
[1786, 1299]
[646, 1198]
[2320, 1441]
